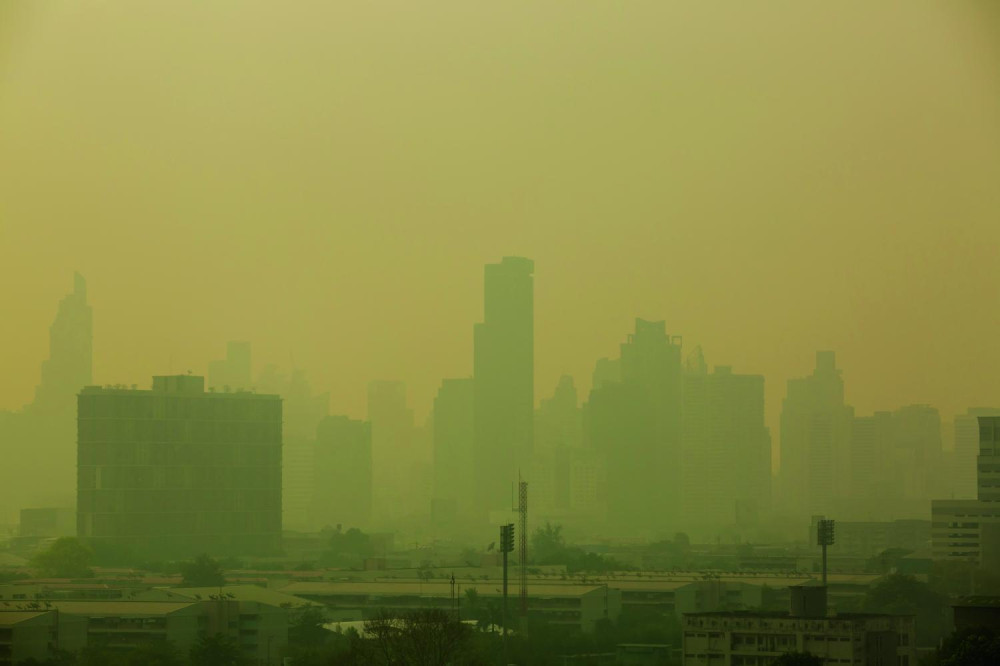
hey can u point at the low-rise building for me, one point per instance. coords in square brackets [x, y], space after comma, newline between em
[261, 619]
[128, 624]
[978, 611]
[756, 638]
[578, 605]
[37, 634]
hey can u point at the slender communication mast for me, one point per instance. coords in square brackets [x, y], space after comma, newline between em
[824, 538]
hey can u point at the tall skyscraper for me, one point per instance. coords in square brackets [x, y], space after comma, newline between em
[234, 371]
[175, 471]
[964, 530]
[69, 366]
[303, 410]
[917, 457]
[343, 471]
[503, 370]
[815, 440]
[558, 435]
[966, 452]
[871, 467]
[393, 458]
[727, 449]
[454, 437]
[635, 424]
[44, 432]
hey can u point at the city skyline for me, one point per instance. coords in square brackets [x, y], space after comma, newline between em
[775, 396]
[764, 210]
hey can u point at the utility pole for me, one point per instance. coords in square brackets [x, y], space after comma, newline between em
[824, 538]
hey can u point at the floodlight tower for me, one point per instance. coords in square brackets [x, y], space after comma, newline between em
[506, 546]
[824, 538]
[522, 543]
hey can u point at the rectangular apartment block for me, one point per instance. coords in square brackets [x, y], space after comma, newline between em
[176, 471]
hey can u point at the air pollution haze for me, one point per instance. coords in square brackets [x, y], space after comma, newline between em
[719, 269]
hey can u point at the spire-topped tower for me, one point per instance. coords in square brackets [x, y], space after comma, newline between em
[69, 366]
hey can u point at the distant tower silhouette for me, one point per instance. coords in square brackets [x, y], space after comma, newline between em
[815, 439]
[392, 453]
[69, 366]
[635, 423]
[504, 381]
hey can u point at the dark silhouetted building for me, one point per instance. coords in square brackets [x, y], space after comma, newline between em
[737, 638]
[175, 471]
[504, 382]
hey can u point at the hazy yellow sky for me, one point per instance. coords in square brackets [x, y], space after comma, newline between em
[326, 179]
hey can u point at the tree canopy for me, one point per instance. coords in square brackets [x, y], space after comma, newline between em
[202, 572]
[67, 557]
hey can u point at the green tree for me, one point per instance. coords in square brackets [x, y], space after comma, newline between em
[548, 544]
[471, 602]
[798, 659]
[217, 650]
[306, 628]
[67, 557]
[900, 594]
[202, 572]
[423, 638]
[887, 560]
[154, 653]
[971, 647]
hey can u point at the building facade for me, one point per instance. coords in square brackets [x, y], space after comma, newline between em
[175, 471]
[969, 530]
[635, 425]
[343, 469]
[815, 440]
[727, 448]
[752, 638]
[504, 376]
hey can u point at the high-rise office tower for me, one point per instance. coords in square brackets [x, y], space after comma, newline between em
[963, 485]
[965, 530]
[503, 370]
[815, 440]
[234, 371]
[44, 432]
[558, 440]
[871, 467]
[69, 366]
[635, 424]
[175, 471]
[303, 410]
[727, 448]
[917, 457]
[393, 458]
[343, 472]
[454, 491]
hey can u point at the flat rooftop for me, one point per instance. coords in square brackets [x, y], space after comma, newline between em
[121, 608]
[436, 588]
